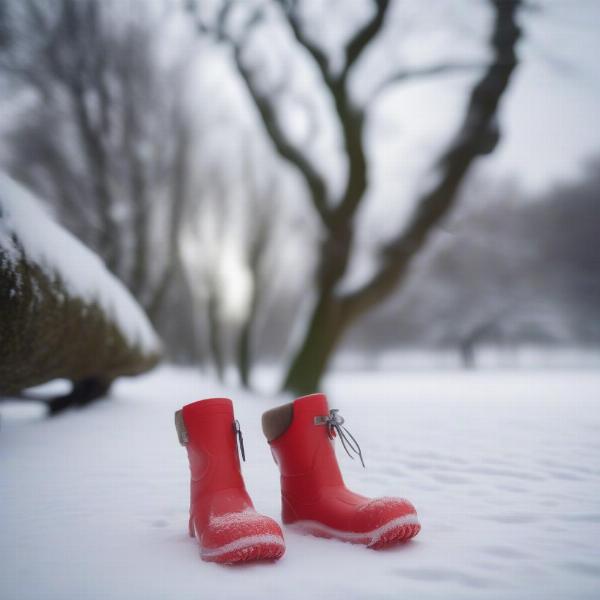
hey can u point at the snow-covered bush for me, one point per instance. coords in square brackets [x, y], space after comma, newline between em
[62, 314]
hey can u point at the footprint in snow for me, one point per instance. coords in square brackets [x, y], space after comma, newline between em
[438, 575]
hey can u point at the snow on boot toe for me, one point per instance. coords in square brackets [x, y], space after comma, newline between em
[241, 536]
[388, 521]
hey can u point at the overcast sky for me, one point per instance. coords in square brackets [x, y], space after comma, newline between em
[551, 115]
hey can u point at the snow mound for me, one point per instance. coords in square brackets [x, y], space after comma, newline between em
[24, 223]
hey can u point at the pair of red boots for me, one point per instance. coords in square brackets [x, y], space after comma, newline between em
[313, 494]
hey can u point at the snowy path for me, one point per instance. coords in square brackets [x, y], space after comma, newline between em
[503, 468]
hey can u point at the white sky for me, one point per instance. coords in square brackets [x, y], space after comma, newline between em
[551, 120]
[549, 115]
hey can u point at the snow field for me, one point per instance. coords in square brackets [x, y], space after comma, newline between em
[502, 467]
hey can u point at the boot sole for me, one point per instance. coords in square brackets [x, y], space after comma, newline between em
[396, 531]
[252, 548]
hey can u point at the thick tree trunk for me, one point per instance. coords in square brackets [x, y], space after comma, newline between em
[245, 338]
[214, 336]
[312, 359]
[467, 353]
[245, 353]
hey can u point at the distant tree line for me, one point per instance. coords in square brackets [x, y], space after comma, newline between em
[509, 268]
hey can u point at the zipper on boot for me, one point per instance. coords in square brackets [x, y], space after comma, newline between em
[240, 438]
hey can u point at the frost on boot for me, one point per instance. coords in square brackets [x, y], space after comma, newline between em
[222, 516]
[314, 497]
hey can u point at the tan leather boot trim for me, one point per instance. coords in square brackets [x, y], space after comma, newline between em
[276, 421]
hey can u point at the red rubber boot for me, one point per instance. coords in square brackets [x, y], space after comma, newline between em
[222, 516]
[314, 496]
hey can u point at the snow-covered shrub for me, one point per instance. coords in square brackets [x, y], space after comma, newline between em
[62, 314]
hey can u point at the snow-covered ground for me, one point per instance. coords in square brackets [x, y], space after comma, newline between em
[503, 468]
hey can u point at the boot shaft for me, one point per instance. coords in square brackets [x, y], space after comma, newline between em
[210, 441]
[305, 453]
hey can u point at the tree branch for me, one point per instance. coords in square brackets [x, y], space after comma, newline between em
[351, 118]
[477, 136]
[362, 38]
[422, 73]
[316, 53]
[313, 179]
[288, 151]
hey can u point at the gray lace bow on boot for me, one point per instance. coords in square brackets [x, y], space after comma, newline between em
[335, 426]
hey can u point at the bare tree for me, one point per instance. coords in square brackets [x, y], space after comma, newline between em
[261, 228]
[104, 137]
[203, 243]
[335, 311]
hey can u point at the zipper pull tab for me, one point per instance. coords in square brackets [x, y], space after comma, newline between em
[238, 431]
